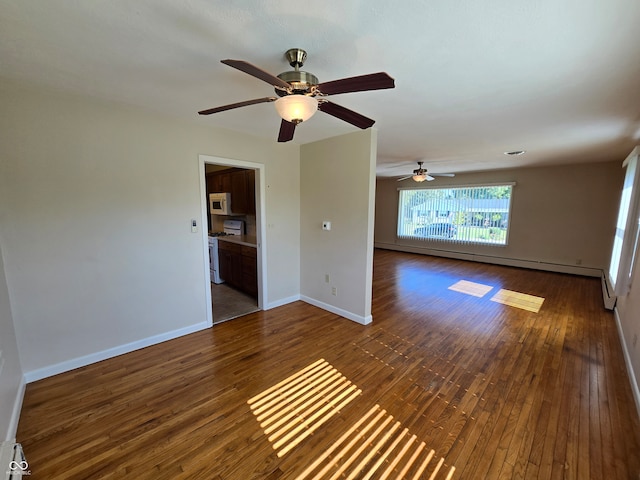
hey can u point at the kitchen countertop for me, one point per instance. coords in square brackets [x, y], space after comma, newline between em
[247, 240]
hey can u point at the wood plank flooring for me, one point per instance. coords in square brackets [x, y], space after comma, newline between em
[443, 384]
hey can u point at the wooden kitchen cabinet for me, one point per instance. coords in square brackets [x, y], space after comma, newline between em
[250, 179]
[250, 271]
[218, 182]
[240, 183]
[239, 200]
[230, 260]
[238, 266]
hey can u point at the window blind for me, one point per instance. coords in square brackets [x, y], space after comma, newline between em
[461, 214]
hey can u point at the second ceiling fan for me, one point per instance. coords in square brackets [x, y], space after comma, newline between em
[300, 94]
[420, 174]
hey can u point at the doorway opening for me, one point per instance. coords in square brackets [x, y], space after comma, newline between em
[233, 235]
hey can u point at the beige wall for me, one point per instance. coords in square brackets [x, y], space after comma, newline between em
[561, 216]
[628, 317]
[95, 209]
[338, 185]
[11, 378]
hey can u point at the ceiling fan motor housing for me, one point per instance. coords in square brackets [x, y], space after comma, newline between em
[301, 82]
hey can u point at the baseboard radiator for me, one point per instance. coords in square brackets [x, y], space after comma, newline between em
[13, 464]
[608, 295]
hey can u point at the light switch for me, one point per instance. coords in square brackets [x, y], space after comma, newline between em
[194, 226]
[326, 225]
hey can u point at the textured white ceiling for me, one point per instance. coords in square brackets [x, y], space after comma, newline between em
[558, 78]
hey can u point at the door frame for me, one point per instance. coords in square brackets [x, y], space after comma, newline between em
[203, 160]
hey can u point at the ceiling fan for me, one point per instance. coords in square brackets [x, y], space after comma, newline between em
[420, 174]
[300, 95]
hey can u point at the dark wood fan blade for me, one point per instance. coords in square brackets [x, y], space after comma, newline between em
[236, 105]
[256, 72]
[372, 81]
[354, 118]
[287, 129]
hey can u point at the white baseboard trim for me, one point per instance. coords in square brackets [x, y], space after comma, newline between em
[67, 365]
[509, 262]
[15, 413]
[338, 311]
[627, 360]
[282, 301]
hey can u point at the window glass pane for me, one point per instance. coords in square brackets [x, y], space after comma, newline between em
[625, 238]
[478, 214]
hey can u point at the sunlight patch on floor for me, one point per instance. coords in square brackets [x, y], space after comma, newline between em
[375, 445]
[530, 303]
[293, 409]
[471, 288]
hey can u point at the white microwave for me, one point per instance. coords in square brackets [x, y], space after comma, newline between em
[220, 203]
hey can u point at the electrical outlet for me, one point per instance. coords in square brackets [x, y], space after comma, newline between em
[334, 291]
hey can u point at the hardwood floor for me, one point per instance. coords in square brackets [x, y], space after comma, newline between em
[442, 384]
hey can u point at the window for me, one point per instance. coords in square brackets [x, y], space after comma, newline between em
[625, 240]
[473, 214]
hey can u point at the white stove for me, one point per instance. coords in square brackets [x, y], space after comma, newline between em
[231, 227]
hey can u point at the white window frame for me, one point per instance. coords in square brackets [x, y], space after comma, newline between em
[459, 241]
[625, 241]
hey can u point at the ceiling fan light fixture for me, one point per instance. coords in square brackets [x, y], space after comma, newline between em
[296, 108]
[419, 177]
